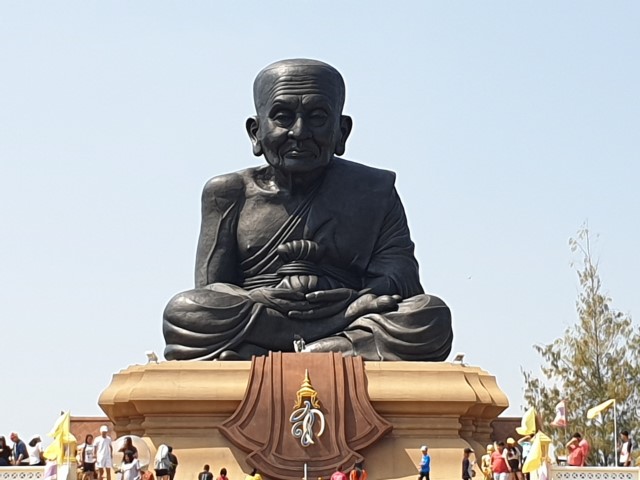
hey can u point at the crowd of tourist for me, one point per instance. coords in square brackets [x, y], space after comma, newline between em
[96, 460]
[21, 453]
[95, 457]
[504, 460]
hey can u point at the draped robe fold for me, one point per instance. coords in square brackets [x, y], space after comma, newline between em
[357, 217]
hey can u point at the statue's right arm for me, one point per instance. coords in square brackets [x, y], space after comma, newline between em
[217, 255]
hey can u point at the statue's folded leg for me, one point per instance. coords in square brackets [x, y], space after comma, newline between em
[201, 324]
[420, 330]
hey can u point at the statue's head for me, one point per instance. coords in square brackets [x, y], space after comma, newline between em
[299, 124]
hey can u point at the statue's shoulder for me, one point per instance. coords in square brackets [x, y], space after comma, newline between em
[226, 188]
[359, 175]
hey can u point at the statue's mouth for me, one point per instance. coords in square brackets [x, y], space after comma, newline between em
[299, 154]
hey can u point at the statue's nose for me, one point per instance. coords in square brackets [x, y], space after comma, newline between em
[299, 129]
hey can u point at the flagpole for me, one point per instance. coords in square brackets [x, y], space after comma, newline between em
[68, 452]
[615, 435]
[566, 427]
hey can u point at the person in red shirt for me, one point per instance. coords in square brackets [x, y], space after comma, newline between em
[578, 451]
[223, 474]
[499, 465]
[339, 474]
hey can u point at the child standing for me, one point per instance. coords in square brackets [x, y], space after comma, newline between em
[425, 464]
[467, 465]
[130, 467]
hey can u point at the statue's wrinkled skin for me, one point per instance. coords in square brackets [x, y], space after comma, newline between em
[309, 245]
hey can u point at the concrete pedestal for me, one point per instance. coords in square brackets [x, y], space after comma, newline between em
[445, 406]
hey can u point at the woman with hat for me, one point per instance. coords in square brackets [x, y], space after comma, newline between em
[513, 458]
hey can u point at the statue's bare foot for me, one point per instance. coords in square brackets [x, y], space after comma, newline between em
[331, 344]
[229, 355]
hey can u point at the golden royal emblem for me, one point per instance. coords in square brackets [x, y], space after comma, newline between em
[307, 391]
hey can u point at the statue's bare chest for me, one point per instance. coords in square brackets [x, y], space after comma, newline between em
[261, 218]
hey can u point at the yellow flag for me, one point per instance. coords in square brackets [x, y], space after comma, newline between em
[62, 425]
[535, 457]
[60, 433]
[528, 425]
[597, 410]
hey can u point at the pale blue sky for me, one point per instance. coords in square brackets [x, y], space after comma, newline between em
[508, 123]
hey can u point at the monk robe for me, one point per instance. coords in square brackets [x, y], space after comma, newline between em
[348, 231]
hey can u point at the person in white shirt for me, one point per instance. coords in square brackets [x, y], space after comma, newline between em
[130, 467]
[162, 463]
[36, 451]
[624, 460]
[104, 453]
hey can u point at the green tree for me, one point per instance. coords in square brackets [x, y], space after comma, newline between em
[596, 359]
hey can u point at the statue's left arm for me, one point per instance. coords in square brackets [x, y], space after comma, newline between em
[393, 269]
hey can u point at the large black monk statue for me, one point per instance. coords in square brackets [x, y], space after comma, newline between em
[309, 246]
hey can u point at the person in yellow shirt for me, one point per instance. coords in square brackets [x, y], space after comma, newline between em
[254, 475]
[485, 463]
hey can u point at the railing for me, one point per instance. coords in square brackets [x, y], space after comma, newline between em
[21, 473]
[594, 473]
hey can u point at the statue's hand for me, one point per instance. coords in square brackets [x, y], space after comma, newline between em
[282, 300]
[370, 303]
[325, 303]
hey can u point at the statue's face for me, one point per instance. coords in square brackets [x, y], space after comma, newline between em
[299, 124]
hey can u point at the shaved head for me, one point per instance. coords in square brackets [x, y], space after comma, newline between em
[299, 124]
[298, 76]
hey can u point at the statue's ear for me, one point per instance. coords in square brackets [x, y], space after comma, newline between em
[252, 130]
[346, 124]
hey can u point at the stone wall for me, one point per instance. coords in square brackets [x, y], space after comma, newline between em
[504, 427]
[81, 426]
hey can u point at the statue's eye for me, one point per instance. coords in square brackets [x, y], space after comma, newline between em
[283, 118]
[318, 117]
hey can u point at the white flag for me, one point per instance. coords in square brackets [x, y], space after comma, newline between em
[561, 415]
